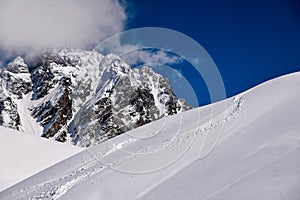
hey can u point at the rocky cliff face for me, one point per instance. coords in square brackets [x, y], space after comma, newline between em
[83, 97]
[15, 82]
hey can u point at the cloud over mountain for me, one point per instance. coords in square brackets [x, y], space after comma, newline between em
[35, 25]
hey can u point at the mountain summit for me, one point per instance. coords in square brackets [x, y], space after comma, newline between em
[82, 97]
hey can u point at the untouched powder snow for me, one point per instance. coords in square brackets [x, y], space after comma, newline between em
[257, 156]
[23, 155]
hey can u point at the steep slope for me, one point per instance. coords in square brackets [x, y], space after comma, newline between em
[23, 155]
[82, 97]
[257, 156]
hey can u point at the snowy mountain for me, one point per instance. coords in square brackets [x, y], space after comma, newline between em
[257, 155]
[82, 97]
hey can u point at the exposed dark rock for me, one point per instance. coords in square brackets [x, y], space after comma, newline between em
[58, 114]
[75, 99]
[18, 66]
[125, 101]
[62, 137]
[142, 100]
[16, 78]
[9, 108]
[43, 80]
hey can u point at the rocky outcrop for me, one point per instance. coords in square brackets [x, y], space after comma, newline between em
[82, 97]
[124, 100]
[53, 115]
[62, 84]
[44, 81]
[16, 78]
[9, 116]
[15, 82]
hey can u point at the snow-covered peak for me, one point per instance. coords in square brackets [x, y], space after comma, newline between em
[114, 64]
[17, 66]
[83, 97]
[124, 99]
[15, 79]
[68, 57]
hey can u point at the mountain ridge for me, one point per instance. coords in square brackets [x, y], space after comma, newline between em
[82, 97]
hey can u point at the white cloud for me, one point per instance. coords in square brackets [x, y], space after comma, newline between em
[148, 58]
[36, 25]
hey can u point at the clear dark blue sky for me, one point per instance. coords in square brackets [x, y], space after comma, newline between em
[250, 41]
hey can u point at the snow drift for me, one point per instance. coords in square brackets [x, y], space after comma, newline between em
[23, 155]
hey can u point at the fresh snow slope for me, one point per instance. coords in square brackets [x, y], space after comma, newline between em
[23, 155]
[257, 155]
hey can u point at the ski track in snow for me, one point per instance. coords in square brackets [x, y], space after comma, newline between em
[92, 165]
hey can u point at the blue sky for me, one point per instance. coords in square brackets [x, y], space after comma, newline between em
[250, 41]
